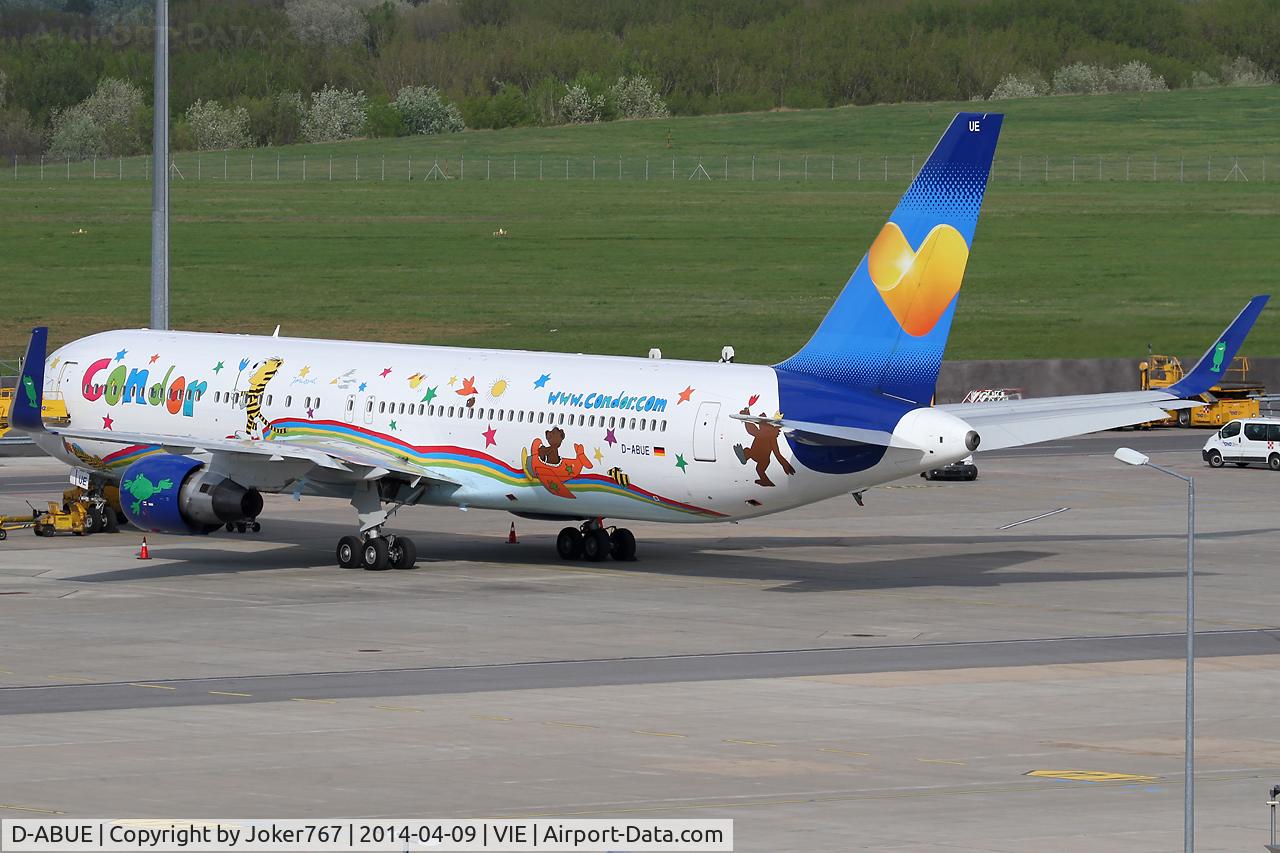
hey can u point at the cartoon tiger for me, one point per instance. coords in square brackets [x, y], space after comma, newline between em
[253, 394]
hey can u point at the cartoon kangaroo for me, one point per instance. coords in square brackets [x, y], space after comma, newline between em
[253, 394]
[764, 447]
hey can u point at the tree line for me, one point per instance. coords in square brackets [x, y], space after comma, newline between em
[527, 62]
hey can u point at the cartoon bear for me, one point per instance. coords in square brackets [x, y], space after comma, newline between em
[544, 463]
[764, 447]
[550, 453]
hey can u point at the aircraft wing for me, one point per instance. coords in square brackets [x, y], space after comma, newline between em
[1013, 423]
[364, 464]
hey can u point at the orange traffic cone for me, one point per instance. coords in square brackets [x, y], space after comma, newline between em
[145, 553]
[511, 537]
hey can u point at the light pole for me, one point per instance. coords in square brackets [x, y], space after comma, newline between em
[1129, 456]
[160, 175]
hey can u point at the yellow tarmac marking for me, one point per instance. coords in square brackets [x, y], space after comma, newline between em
[227, 693]
[749, 742]
[1091, 776]
[6, 671]
[843, 751]
[56, 677]
[152, 686]
[397, 708]
[569, 725]
[321, 701]
[492, 717]
[17, 808]
[940, 761]
[656, 734]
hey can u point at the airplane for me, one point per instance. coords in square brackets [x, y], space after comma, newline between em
[194, 428]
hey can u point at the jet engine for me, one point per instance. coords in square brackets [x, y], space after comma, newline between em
[166, 493]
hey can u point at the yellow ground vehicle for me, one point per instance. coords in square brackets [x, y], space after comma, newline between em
[16, 522]
[1234, 397]
[63, 518]
[54, 410]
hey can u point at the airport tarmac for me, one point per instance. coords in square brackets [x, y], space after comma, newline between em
[901, 676]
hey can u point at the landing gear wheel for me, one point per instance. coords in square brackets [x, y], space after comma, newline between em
[624, 545]
[1273, 461]
[1215, 459]
[569, 543]
[241, 527]
[596, 545]
[255, 527]
[374, 554]
[93, 521]
[110, 525]
[349, 552]
[231, 527]
[404, 553]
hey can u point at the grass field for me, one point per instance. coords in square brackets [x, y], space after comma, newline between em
[1058, 270]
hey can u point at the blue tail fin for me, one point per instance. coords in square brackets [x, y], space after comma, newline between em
[1208, 370]
[29, 395]
[888, 328]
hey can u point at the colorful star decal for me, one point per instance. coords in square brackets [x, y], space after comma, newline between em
[598, 455]
[54, 365]
[120, 355]
[685, 395]
[363, 385]
[453, 380]
[217, 368]
[430, 395]
[609, 437]
[302, 374]
[386, 371]
[416, 379]
[311, 413]
[154, 358]
[392, 426]
[542, 380]
[680, 463]
[490, 436]
[107, 422]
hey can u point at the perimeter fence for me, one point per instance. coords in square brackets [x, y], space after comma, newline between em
[264, 166]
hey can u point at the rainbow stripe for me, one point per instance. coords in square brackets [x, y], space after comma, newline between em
[450, 457]
[127, 456]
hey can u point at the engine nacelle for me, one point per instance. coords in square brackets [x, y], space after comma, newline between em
[166, 493]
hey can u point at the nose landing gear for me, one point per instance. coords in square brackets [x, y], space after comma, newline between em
[593, 541]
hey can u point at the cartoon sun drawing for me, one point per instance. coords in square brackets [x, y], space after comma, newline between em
[543, 462]
[498, 388]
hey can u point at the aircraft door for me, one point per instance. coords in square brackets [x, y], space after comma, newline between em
[704, 432]
[66, 376]
[369, 403]
[350, 411]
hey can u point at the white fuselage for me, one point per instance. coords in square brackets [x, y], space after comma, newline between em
[642, 438]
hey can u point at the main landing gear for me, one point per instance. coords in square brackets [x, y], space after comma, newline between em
[377, 552]
[373, 550]
[593, 541]
[250, 526]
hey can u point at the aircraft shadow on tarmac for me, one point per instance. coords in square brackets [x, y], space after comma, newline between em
[780, 559]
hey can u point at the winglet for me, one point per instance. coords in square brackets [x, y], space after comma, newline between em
[29, 395]
[1208, 370]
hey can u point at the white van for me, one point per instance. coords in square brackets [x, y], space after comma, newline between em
[1245, 441]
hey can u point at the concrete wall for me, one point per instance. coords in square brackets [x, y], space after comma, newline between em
[1054, 377]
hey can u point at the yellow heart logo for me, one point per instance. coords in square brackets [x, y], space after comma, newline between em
[917, 285]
